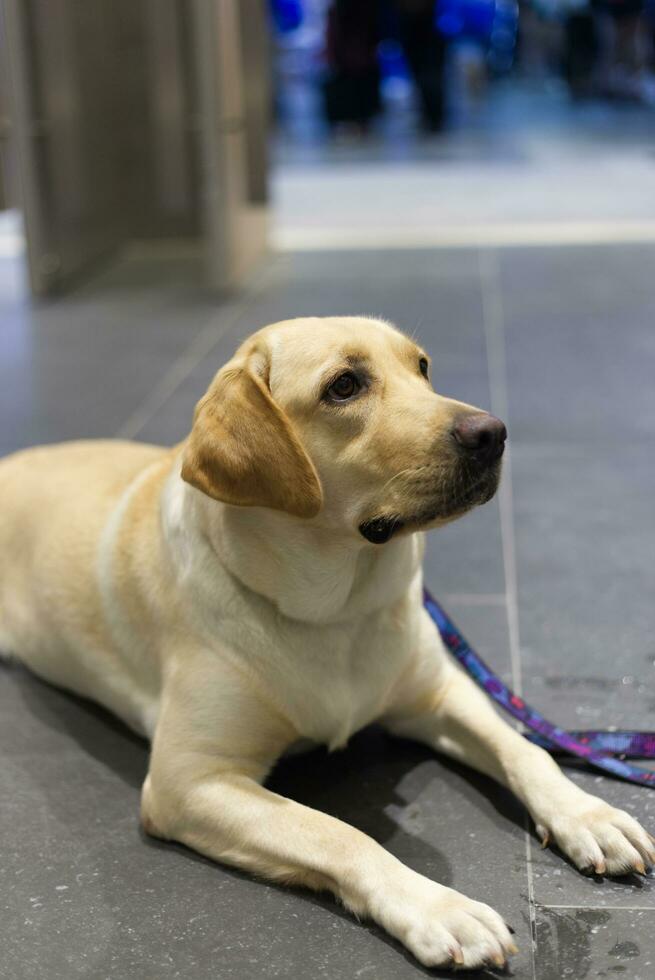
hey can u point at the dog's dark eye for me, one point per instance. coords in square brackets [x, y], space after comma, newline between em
[423, 366]
[344, 387]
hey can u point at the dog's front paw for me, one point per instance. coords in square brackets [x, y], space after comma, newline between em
[441, 927]
[597, 837]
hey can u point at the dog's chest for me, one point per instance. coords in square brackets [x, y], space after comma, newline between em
[329, 679]
[332, 680]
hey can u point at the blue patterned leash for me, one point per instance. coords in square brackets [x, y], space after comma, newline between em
[602, 750]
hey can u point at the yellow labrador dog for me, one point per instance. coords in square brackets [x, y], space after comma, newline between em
[259, 586]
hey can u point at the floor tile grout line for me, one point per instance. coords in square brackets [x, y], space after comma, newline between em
[197, 350]
[600, 908]
[179, 370]
[532, 904]
[493, 321]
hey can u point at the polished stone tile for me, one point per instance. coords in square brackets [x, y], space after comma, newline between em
[172, 422]
[578, 341]
[585, 537]
[76, 369]
[421, 267]
[466, 556]
[580, 345]
[578, 943]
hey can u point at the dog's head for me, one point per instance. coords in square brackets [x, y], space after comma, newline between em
[335, 419]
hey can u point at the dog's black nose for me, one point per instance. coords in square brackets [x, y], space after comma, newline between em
[481, 435]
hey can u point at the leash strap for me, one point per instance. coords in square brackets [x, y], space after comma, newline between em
[604, 750]
[624, 743]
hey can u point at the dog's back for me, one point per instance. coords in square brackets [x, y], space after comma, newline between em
[54, 504]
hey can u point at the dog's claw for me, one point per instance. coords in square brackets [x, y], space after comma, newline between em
[457, 955]
[544, 835]
[600, 867]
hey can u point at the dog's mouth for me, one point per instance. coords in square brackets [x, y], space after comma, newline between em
[380, 529]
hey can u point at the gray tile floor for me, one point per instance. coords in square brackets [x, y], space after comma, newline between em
[553, 581]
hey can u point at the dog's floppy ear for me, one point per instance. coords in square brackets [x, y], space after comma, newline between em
[243, 450]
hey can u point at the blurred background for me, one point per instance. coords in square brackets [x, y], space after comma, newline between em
[222, 129]
[178, 173]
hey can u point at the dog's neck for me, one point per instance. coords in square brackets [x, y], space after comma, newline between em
[309, 572]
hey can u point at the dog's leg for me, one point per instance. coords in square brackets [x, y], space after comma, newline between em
[204, 789]
[451, 714]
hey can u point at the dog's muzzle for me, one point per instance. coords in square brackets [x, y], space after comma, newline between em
[479, 439]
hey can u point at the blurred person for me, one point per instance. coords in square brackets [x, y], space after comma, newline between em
[624, 62]
[425, 51]
[540, 39]
[649, 31]
[648, 89]
[351, 89]
[581, 48]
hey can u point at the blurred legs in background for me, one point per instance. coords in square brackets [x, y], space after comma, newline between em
[351, 90]
[580, 51]
[625, 56]
[425, 51]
